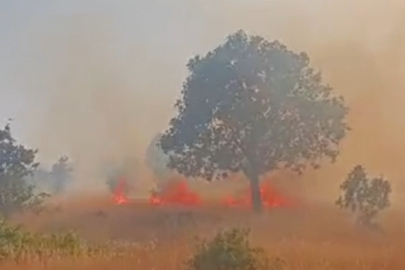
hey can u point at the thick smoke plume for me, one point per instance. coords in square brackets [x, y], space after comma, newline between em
[100, 83]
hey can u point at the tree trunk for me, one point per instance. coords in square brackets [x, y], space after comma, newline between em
[255, 191]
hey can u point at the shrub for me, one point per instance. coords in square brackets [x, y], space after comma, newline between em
[18, 244]
[231, 250]
[364, 196]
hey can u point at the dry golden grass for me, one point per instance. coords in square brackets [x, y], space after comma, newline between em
[307, 238]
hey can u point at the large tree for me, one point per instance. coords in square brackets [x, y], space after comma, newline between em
[253, 106]
[16, 164]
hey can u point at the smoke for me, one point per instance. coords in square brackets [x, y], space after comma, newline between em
[101, 78]
[364, 64]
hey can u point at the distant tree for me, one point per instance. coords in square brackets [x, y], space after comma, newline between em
[16, 164]
[253, 106]
[41, 179]
[156, 159]
[61, 174]
[364, 196]
[122, 175]
[113, 179]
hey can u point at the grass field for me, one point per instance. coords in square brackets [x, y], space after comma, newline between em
[146, 237]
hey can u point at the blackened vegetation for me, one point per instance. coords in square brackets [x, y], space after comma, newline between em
[253, 106]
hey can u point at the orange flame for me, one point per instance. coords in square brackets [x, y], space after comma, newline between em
[176, 192]
[119, 192]
[270, 198]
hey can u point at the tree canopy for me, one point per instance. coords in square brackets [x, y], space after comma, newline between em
[364, 196]
[16, 164]
[252, 105]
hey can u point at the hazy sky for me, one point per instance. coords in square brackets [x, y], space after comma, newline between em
[97, 79]
[155, 36]
[138, 45]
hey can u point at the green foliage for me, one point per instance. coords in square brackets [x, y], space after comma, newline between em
[252, 105]
[16, 164]
[231, 250]
[364, 196]
[18, 244]
[41, 179]
[54, 181]
[156, 159]
[61, 174]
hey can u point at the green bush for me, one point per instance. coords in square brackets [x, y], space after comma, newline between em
[18, 244]
[231, 250]
[364, 196]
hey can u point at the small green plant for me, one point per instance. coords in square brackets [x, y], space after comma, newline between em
[364, 196]
[231, 250]
[17, 244]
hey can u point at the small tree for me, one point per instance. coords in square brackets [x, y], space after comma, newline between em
[364, 196]
[156, 159]
[231, 250]
[253, 106]
[61, 174]
[117, 177]
[16, 163]
[113, 179]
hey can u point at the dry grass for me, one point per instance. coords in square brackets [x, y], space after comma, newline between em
[309, 238]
